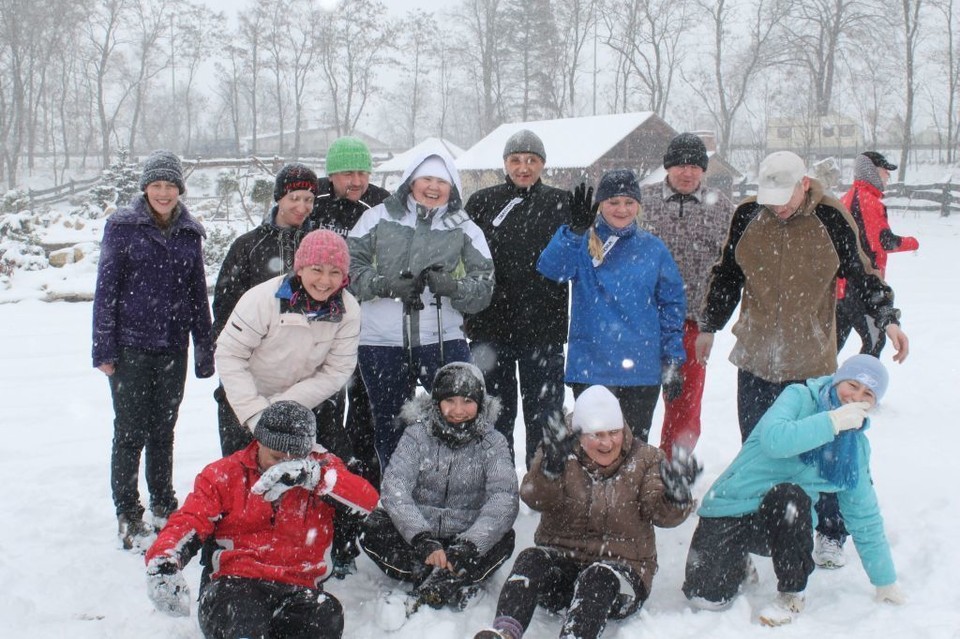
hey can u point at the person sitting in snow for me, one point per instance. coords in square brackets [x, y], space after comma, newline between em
[600, 492]
[449, 496]
[270, 509]
[811, 441]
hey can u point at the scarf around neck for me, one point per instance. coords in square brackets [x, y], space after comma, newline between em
[837, 460]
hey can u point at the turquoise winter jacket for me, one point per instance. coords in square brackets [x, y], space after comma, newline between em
[771, 456]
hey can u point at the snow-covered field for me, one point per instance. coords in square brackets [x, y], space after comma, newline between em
[62, 573]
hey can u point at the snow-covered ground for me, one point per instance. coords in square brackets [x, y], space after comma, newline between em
[62, 573]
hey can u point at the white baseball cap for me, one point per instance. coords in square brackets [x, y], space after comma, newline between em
[780, 173]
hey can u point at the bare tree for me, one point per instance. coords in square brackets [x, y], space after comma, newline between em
[230, 88]
[419, 40]
[946, 58]
[576, 20]
[647, 34]
[725, 86]
[277, 57]
[911, 38]
[483, 43]
[532, 55]
[818, 31]
[353, 46]
[251, 40]
[197, 32]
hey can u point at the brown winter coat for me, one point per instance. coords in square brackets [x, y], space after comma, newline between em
[786, 271]
[604, 513]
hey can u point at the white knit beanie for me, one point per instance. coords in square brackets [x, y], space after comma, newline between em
[597, 411]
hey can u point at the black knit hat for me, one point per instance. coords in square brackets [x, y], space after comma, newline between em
[287, 426]
[525, 141]
[295, 177]
[617, 182]
[879, 161]
[162, 165]
[686, 148]
[459, 379]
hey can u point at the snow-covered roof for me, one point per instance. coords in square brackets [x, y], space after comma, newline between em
[399, 162]
[569, 142]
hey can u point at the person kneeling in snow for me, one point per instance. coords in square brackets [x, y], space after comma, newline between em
[270, 508]
[449, 495]
[810, 441]
[600, 492]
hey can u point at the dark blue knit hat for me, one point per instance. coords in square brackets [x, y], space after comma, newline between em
[617, 182]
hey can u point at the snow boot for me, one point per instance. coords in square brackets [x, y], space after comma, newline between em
[828, 552]
[782, 610]
[134, 533]
[439, 588]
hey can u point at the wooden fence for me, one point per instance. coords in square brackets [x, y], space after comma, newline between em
[941, 197]
[60, 193]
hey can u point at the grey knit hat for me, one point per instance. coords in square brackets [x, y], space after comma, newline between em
[287, 426]
[525, 141]
[162, 165]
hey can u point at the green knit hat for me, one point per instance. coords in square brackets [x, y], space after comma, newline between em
[348, 154]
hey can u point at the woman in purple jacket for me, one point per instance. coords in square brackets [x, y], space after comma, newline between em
[151, 294]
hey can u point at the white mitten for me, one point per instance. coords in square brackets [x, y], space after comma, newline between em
[848, 416]
[279, 478]
[891, 594]
[167, 588]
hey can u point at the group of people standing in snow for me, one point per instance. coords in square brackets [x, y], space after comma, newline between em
[328, 316]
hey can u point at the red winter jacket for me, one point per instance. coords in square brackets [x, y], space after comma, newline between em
[865, 203]
[287, 541]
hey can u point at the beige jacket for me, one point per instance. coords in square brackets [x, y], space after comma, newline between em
[264, 356]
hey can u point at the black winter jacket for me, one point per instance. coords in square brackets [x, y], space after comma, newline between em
[339, 214]
[254, 257]
[527, 308]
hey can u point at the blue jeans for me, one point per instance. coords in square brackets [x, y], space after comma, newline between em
[390, 382]
[541, 386]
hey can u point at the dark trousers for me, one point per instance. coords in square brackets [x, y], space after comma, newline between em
[234, 436]
[147, 389]
[235, 607]
[390, 382]
[592, 592]
[636, 402]
[358, 425]
[541, 386]
[384, 544]
[781, 528]
[755, 396]
[852, 314]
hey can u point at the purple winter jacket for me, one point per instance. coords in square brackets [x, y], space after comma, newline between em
[151, 291]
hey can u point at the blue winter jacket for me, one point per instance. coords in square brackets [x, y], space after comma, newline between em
[626, 317]
[151, 290]
[771, 456]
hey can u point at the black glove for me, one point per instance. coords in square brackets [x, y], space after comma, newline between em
[441, 282]
[464, 556]
[581, 208]
[678, 475]
[167, 588]
[405, 287]
[424, 545]
[672, 381]
[558, 443]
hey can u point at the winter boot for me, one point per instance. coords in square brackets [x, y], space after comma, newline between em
[134, 534]
[160, 514]
[828, 552]
[439, 588]
[782, 610]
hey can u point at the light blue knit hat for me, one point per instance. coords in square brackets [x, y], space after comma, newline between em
[866, 369]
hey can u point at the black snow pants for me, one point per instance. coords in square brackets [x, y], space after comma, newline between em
[781, 528]
[235, 607]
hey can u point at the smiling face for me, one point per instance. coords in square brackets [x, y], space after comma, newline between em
[603, 447]
[620, 211]
[431, 191]
[162, 197]
[850, 390]
[458, 409]
[524, 169]
[350, 185]
[321, 281]
[293, 208]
